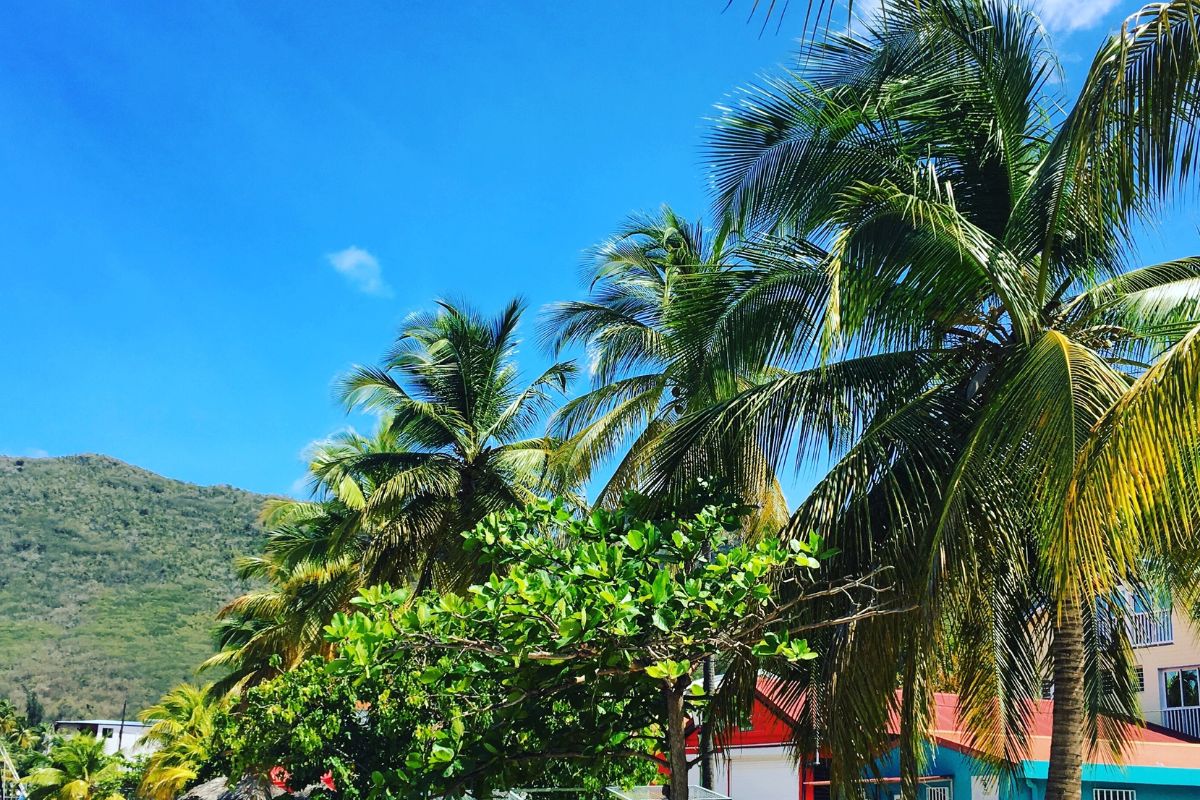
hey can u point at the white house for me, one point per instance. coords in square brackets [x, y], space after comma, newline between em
[121, 736]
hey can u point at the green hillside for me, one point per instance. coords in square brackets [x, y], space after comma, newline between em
[109, 578]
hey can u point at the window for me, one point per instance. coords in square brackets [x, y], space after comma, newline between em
[1181, 687]
[1114, 794]
[1108, 686]
[937, 793]
[106, 733]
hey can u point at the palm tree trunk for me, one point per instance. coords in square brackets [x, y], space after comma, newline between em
[677, 739]
[910, 767]
[1065, 778]
[708, 765]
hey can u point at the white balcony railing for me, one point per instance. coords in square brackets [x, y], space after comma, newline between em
[1150, 628]
[1184, 720]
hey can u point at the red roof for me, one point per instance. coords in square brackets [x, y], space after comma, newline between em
[1149, 746]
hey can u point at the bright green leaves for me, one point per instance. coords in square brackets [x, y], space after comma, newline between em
[669, 670]
[597, 616]
[636, 540]
[781, 645]
[660, 588]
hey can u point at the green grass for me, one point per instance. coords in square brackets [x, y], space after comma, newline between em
[109, 579]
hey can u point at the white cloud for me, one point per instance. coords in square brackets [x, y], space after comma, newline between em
[301, 488]
[361, 269]
[1073, 15]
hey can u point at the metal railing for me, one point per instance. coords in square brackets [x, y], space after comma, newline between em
[1151, 627]
[1184, 720]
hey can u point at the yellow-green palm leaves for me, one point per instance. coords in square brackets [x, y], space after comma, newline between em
[79, 770]
[939, 269]
[181, 730]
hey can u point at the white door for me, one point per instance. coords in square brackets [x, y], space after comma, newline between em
[765, 776]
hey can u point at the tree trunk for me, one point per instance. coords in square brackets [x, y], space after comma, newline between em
[1065, 778]
[677, 738]
[708, 759]
[910, 772]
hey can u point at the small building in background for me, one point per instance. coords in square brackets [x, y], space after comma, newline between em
[119, 736]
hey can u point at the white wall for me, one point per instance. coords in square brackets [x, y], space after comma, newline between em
[128, 739]
[754, 773]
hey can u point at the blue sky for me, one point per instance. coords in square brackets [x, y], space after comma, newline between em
[210, 210]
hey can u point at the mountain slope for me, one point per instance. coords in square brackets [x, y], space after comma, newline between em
[109, 579]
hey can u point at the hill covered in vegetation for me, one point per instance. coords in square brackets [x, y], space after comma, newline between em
[109, 579]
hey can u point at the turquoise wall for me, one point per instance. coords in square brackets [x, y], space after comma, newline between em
[1150, 783]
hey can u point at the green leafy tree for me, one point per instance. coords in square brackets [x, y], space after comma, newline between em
[35, 713]
[321, 729]
[79, 769]
[603, 618]
[944, 272]
[24, 741]
[181, 731]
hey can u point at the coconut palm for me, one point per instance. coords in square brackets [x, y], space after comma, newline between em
[276, 626]
[316, 556]
[181, 731]
[646, 330]
[466, 438]
[456, 440]
[79, 770]
[945, 266]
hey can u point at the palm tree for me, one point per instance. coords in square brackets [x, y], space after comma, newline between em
[646, 327]
[79, 770]
[456, 441]
[316, 556]
[181, 729]
[466, 440]
[943, 266]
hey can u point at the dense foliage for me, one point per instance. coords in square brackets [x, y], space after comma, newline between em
[109, 577]
[598, 621]
[924, 272]
[943, 271]
[365, 736]
[25, 739]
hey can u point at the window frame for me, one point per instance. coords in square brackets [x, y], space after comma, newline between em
[1164, 697]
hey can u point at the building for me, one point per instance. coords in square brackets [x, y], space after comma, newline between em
[755, 763]
[122, 736]
[1167, 650]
